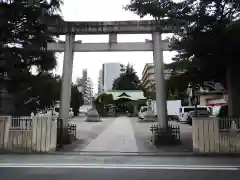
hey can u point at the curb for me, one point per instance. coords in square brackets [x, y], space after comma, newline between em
[107, 154]
[166, 154]
[128, 154]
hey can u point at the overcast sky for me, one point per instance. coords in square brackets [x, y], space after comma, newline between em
[104, 10]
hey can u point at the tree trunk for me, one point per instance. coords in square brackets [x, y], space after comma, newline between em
[233, 76]
[229, 89]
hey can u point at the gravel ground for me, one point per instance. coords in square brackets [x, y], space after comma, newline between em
[143, 134]
[87, 131]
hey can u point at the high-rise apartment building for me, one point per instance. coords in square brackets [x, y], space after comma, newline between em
[85, 86]
[100, 82]
[148, 77]
[107, 75]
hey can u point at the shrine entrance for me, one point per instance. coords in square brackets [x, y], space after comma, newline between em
[112, 28]
[118, 134]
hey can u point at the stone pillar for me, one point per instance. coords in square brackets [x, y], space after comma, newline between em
[66, 79]
[159, 79]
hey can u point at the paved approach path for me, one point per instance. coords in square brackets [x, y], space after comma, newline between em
[118, 137]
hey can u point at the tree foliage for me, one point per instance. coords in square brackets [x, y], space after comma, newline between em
[208, 40]
[176, 87]
[23, 40]
[45, 93]
[127, 80]
[105, 98]
[101, 103]
[150, 93]
[76, 99]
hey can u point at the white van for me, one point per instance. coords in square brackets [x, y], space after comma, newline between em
[183, 111]
[56, 111]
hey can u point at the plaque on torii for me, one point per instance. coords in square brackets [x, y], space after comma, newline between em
[119, 27]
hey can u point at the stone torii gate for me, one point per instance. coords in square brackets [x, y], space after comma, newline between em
[157, 45]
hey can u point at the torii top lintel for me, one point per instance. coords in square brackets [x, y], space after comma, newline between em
[118, 27]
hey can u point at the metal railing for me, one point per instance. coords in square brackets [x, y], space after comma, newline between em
[161, 135]
[65, 135]
[72, 130]
[24, 122]
[229, 124]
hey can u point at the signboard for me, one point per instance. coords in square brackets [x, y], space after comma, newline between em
[119, 27]
[217, 102]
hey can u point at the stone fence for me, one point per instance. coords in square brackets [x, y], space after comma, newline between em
[216, 135]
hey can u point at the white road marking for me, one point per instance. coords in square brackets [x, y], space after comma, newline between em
[123, 166]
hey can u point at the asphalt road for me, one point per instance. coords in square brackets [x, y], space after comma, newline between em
[117, 173]
[75, 167]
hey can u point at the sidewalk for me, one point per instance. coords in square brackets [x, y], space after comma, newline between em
[118, 137]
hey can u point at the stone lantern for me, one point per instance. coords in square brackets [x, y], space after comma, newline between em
[149, 116]
[92, 114]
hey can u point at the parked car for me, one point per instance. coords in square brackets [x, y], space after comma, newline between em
[143, 110]
[184, 111]
[191, 114]
[56, 111]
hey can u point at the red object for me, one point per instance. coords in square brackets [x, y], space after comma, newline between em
[217, 104]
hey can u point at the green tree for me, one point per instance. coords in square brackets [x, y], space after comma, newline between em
[176, 88]
[128, 80]
[47, 88]
[208, 42]
[23, 45]
[151, 92]
[105, 98]
[76, 99]
[101, 103]
[44, 93]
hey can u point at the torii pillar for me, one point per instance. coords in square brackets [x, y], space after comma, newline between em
[66, 79]
[159, 79]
